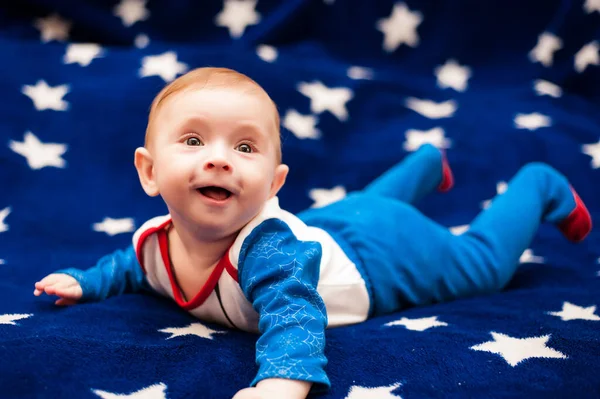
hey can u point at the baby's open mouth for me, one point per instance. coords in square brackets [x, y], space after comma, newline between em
[214, 192]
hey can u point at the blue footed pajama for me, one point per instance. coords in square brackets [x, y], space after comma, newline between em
[409, 260]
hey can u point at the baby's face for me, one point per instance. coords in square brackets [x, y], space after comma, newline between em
[214, 153]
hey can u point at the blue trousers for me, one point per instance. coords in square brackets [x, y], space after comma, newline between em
[410, 260]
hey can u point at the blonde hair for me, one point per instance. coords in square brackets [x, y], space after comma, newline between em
[210, 77]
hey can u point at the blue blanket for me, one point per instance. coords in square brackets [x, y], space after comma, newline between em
[359, 85]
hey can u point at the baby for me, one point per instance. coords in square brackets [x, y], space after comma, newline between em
[227, 253]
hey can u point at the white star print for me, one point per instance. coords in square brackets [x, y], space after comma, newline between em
[237, 15]
[53, 27]
[267, 53]
[114, 226]
[2, 261]
[543, 87]
[141, 41]
[82, 53]
[452, 75]
[131, 11]
[432, 109]
[593, 150]
[323, 196]
[197, 329]
[458, 230]
[10, 318]
[588, 55]
[3, 214]
[500, 188]
[156, 391]
[323, 98]
[46, 97]
[528, 257]
[421, 324]
[357, 72]
[573, 312]
[545, 48]
[38, 154]
[358, 392]
[416, 138]
[515, 350]
[532, 121]
[303, 126]
[591, 5]
[164, 65]
[400, 27]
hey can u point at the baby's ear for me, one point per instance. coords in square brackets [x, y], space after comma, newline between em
[281, 172]
[145, 167]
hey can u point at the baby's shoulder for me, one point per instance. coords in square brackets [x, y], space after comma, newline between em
[150, 227]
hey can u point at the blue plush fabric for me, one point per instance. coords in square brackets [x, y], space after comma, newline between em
[52, 213]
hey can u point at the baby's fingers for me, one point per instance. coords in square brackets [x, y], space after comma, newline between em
[48, 280]
[70, 292]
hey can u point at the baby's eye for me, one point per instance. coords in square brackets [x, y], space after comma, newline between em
[193, 141]
[244, 148]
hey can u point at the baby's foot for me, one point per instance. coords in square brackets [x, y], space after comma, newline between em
[578, 224]
[447, 178]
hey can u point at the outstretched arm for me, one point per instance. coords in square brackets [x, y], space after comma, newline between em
[279, 275]
[114, 274]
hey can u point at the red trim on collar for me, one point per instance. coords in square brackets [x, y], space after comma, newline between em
[208, 286]
[142, 239]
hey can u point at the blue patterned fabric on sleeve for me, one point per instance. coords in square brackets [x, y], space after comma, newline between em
[279, 275]
[114, 274]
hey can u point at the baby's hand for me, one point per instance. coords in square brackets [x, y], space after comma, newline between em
[61, 285]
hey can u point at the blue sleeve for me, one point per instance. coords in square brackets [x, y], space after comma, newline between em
[279, 276]
[114, 274]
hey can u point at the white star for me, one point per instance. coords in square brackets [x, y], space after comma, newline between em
[501, 187]
[573, 312]
[528, 257]
[156, 391]
[515, 350]
[2, 261]
[267, 53]
[82, 53]
[432, 109]
[591, 5]
[593, 150]
[46, 97]
[237, 15]
[131, 11]
[357, 392]
[323, 98]
[38, 154]
[10, 318]
[532, 121]
[53, 27]
[543, 51]
[587, 55]
[164, 65]
[141, 41]
[357, 72]
[197, 329]
[3, 214]
[323, 196]
[452, 75]
[544, 87]
[114, 226]
[416, 138]
[458, 230]
[421, 324]
[400, 27]
[303, 126]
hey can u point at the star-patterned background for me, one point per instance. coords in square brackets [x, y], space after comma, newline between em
[359, 85]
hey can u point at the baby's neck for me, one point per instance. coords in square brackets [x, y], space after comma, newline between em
[201, 253]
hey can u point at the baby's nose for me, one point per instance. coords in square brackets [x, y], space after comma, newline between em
[217, 164]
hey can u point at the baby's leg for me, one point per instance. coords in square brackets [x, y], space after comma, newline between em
[415, 176]
[429, 264]
[487, 255]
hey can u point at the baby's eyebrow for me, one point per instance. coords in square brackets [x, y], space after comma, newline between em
[250, 127]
